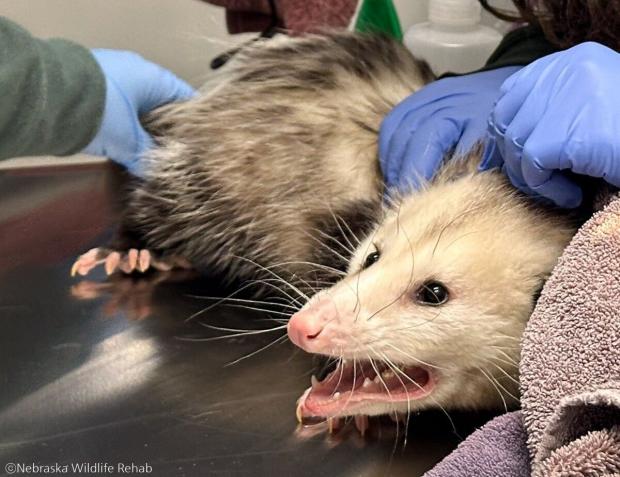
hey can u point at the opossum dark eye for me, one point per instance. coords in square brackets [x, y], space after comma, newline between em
[370, 259]
[432, 293]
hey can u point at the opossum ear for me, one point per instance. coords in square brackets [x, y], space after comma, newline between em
[456, 166]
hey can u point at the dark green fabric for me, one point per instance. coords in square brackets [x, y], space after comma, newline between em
[520, 47]
[379, 16]
[52, 94]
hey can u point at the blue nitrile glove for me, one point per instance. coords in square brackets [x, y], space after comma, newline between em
[447, 114]
[134, 86]
[562, 112]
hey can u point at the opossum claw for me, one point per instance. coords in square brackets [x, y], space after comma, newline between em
[127, 262]
[111, 262]
[144, 260]
[87, 261]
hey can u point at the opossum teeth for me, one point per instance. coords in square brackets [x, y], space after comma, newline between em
[333, 423]
[336, 395]
[367, 382]
[377, 379]
[298, 414]
[361, 422]
[388, 373]
[314, 381]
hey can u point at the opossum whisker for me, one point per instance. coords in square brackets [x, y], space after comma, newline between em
[267, 282]
[340, 366]
[417, 360]
[217, 303]
[452, 222]
[351, 247]
[357, 283]
[495, 386]
[506, 362]
[412, 326]
[506, 355]
[396, 333]
[504, 348]
[374, 367]
[355, 237]
[282, 321]
[504, 389]
[397, 371]
[254, 308]
[410, 281]
[431, 397]
[243, 300]
[466, 234]
[504, 372]
[234, 335]
[325, 366]
[353, 382]
[278, 277]
[325, 245]
[240, 330]
[254, 353]
[317, 265]
[305, 282]
[333, 239]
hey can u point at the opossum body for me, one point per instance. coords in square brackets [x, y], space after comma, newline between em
[275, 174]
[269, 167]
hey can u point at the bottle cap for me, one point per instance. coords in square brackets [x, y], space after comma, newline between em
[454, 12]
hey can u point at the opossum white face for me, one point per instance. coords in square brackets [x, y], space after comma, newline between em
[433, 304]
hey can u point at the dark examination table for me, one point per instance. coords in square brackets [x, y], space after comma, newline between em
[95, 371]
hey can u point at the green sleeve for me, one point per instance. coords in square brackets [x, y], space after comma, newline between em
[52, 94]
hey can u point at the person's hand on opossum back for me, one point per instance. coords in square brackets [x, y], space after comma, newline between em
[448, 114]
[561, 113]
[134, 86]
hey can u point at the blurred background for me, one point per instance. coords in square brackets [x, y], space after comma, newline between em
[181, 35]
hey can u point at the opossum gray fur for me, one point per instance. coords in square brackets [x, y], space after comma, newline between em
[281, 155]
[277, 165]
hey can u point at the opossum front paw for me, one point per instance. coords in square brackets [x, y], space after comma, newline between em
[133, 260]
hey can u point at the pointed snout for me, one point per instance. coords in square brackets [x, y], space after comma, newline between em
[306, 328]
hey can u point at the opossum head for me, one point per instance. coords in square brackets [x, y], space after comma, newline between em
[431, 310]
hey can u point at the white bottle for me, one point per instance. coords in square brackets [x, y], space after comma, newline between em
[453, 40]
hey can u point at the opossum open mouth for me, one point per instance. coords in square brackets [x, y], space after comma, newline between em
[356, 388]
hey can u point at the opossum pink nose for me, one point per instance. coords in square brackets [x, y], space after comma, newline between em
[305, 326]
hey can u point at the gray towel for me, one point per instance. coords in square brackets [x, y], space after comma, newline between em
[570, 372]
[498, 448]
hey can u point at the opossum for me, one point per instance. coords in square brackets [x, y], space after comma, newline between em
[273, 176]
[434, 301]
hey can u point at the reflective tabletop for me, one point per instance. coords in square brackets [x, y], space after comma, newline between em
[136, 370]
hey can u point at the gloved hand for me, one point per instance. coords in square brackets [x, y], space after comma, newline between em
[562, 112]
[450, 113]
[134, 86]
